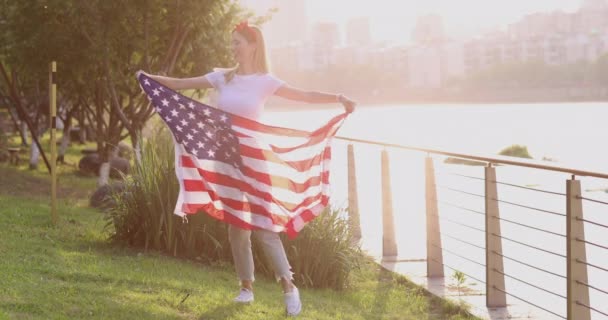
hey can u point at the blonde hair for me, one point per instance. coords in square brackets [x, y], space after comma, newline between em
[260, 59]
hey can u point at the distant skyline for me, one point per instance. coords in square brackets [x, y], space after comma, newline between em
[393, 20]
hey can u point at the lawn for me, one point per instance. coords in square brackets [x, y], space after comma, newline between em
[71, 271]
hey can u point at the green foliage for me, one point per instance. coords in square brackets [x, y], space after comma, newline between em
[516, 151]
[144, 215]
[460, 279]
[321, 256]
[70, 271]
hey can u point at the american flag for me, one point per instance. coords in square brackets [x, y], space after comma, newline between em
[243, 172]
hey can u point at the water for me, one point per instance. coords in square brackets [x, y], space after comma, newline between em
[573, 135]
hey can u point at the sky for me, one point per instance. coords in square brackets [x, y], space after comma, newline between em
[393, 20]
[390, 19]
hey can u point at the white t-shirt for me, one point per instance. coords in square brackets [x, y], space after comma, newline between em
[244, 95]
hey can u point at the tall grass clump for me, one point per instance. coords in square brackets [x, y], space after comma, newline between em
[322, 256]
[143, 215]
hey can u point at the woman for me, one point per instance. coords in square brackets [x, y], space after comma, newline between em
[243, 90]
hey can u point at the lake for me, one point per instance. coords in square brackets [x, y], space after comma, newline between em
[571, 134]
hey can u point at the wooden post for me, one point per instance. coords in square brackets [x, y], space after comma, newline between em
[53, 118]
[576, 272]
[389, 245]
[495, 281]
[434, 254]
[353, 200]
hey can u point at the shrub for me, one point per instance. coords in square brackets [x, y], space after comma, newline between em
[323, 255]
[516, 151]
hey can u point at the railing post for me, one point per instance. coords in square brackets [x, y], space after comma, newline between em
[576, 272]
[389, 246]
[495, 281]
[434, 254]
[353, 200]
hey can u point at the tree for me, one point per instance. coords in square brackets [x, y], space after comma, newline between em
[99, 45]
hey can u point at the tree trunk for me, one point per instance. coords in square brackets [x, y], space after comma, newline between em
[24, 130]
[104, 174]
[65, 140]
[136, 146]
[34, 156]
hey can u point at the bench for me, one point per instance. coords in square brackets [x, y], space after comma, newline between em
[13, 157]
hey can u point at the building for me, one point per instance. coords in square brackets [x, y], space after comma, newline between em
[358, 32]
[289, 22]
[325, 38]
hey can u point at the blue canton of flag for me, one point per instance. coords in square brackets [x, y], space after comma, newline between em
[205, 132]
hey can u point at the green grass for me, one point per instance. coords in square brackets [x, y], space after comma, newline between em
[71, 271]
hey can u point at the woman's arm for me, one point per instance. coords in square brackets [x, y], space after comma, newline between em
[182, 83]
[292, 93]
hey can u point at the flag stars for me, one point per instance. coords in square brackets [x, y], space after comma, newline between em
[191, 115]
[155, 92]
[180, 129]
[200, 125]
[184, 123]
[207, 112]
[174, 113]
[194, 131]
[147, 82]
[175, 97]
[211, 153]
[165, 102]
[194, 152]
[209, 134]
[190, 105]
[189, 136]
[182, 107]
[200, 145]
[223, 118]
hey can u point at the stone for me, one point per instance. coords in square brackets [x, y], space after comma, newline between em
[103, 197]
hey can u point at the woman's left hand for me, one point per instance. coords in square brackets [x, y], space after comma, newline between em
[349, 105]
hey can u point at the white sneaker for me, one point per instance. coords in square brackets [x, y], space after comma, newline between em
[245, 296]
[293, 305]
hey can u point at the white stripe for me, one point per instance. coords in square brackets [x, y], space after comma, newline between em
[298, 222]
[277, 139]
[277, 192]
[202, 198]
[248, 217]
[287, 172]
[303, 153]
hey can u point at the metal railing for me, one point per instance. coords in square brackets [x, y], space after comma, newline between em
[576, 297]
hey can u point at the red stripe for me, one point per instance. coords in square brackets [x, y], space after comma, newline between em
[199, 186]
[244, 206]
[259, 127]
[220, 215]
[271, 181]
[285, 183]
[306, 216]
[317, 137]
[300, 165]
